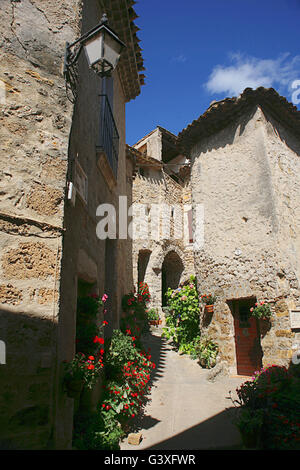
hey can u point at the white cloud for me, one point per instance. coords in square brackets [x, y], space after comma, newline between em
[252, 72]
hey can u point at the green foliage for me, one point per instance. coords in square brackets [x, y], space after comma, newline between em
[88, 307]
[261, 310]
[85, 333]
[134, 313]
[248, 420]
[190, 348]
[83, 368]
[207, 351]
[274, 392]
[143, 293]
[118, 351]
[183, 319]
[152, 314]
[91, 432]
[87, 363]
[133, 300]
[127, 369]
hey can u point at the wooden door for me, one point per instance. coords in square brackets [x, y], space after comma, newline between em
[247, 338]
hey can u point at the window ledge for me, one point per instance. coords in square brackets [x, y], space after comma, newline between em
[105, 168]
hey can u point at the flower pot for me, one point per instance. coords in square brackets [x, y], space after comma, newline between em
[155, 322]
[209, 308]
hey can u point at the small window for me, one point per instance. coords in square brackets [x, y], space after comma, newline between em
[190, 225]
[108, 142]
[81, 182]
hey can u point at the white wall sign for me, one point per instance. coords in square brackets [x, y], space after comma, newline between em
[295, 319]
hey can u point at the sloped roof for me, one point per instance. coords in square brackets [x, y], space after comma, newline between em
[222, 113]
[142, 159]
[121, 16]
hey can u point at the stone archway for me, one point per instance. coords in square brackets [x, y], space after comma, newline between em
[171, 273]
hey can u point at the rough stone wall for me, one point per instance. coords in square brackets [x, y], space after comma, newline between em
[160, 188]
[35, 124]
[103, 263]
[250, 238]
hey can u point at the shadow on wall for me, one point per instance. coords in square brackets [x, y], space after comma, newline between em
[26, 381]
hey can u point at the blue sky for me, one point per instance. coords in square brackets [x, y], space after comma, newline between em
[198, 51]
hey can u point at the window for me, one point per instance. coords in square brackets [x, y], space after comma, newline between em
[81, 182]
[108, 144]
[190, 225]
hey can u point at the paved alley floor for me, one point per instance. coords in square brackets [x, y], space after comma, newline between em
[185, 410]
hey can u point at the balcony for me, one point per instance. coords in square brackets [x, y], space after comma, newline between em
[107, 148]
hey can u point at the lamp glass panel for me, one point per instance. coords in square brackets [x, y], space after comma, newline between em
[112, 50]
[94, 48]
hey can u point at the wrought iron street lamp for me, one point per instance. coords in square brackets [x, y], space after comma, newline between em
[102, 49]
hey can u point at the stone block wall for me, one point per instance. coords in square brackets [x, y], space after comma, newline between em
[34, 137]
[160, 188]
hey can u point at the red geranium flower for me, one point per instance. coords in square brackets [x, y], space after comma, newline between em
[98, 340]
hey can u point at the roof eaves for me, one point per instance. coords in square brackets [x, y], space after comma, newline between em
[220, 114]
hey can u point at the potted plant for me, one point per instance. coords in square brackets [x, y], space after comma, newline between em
[82, 372]
[207, 352]
[153, 317]
[208, 300]
[249, 422]
[262, 310]
[74, 376]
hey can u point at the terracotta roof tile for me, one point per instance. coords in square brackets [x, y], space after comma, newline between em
[121, 16]
[222, 113]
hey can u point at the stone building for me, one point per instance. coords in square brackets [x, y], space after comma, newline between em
[244, 155]
[239, 162]
[162, 248]
[49, 250]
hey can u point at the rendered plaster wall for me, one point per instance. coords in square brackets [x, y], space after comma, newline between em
[250, 237]
[35, 125]
[151, 144]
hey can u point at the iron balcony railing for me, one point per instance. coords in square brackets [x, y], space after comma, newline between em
[109, 136]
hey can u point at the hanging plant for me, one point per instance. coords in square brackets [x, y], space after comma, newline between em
[261, 310]
[208, 300]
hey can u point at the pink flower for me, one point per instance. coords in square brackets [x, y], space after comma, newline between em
[104, 297]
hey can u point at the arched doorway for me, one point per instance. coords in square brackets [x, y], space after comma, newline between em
[172, 269]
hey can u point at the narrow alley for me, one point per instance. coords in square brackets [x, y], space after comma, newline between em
[185, 410]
